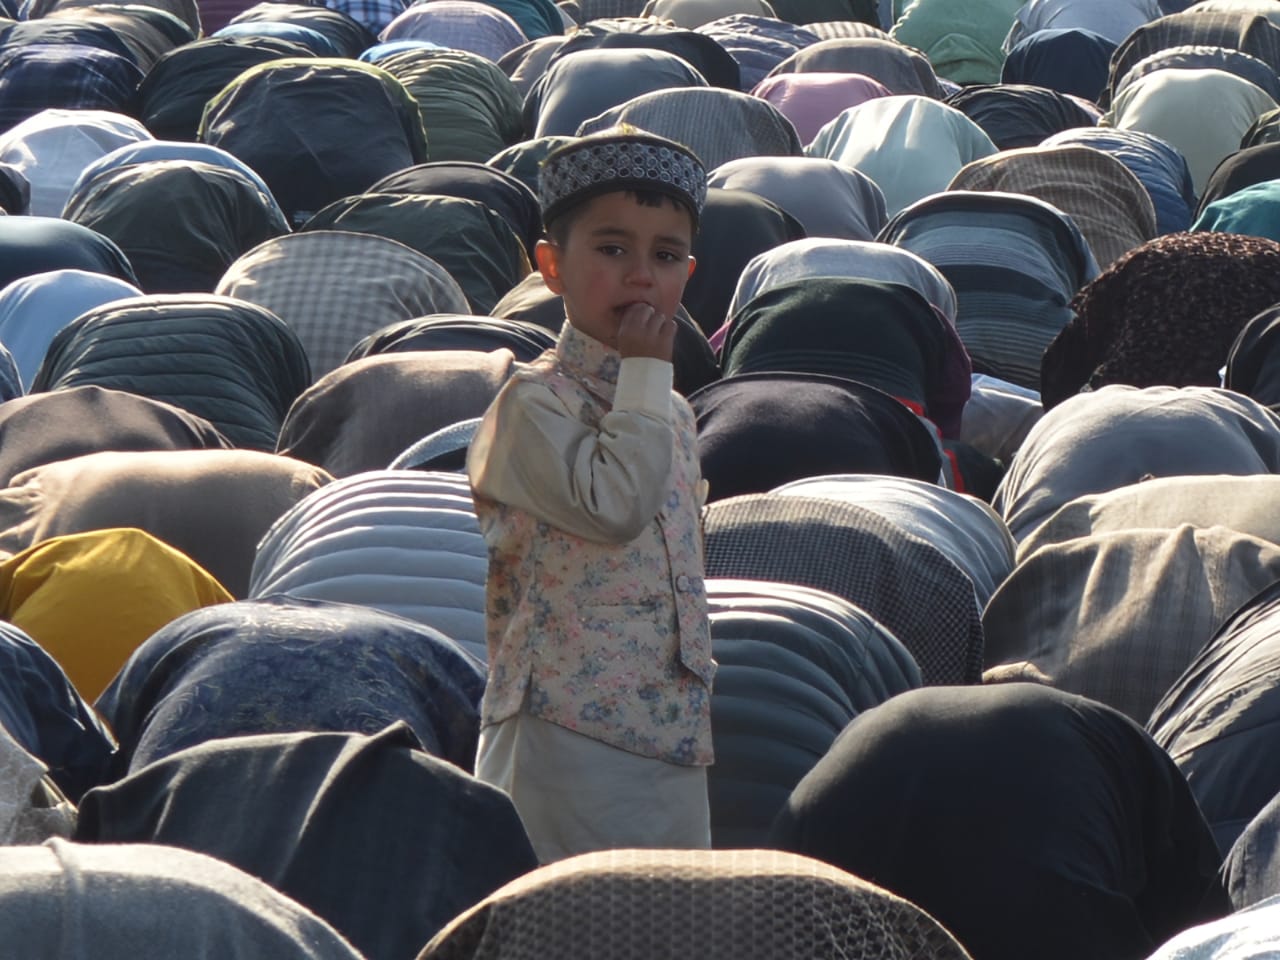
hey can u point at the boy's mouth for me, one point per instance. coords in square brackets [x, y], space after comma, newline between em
[623, 308]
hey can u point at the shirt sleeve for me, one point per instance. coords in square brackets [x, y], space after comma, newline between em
[603, 485]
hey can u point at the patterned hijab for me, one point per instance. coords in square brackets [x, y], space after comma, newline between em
[1165, 313]
[732, 903]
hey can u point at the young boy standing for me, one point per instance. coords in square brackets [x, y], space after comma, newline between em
[584, 472]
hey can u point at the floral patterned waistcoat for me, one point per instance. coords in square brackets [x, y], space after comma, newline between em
[608, 640]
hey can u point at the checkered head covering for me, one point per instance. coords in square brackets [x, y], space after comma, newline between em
[623, 158]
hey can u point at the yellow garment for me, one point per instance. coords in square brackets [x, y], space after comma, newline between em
[90, 599]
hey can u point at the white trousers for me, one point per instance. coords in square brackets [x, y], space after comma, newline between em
[575, 794]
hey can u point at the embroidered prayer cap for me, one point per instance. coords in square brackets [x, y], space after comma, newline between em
[622, 158]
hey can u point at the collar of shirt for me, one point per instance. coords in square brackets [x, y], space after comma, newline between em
[588, 360]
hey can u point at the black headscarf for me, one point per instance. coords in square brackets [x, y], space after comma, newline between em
[735, 226]
[378, 838]
[883, 334]
[1027, 821]
[500, 192]
[1016, 115]
[811, 425]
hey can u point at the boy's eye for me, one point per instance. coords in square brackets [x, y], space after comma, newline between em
[666, 256]
[611, 250]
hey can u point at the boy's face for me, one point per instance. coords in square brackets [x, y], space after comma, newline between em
[619, 252]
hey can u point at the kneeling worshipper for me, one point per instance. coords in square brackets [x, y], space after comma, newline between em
[882, 334]
[1254, 361]
[812, 424]
[828, 199]
[1159, 165]
[39, 244]
[224, 215]
[712, 904]
[1165, 313]
[964, 528]
[1249, 934]
[1024, 819]
[403, 541]
[1016, 115]
[52, 147]
[285, 665]
[360, 415]
[1220, 718]
[1132, 435]
[1093, 616]
[907, 584]
[34, 308]
[1204, 113]
[334, 288]
[233, 362]
[1014, 262]
[946, 386]
[124, 901]
[47, 427]
[45, 716]
[318, 106]
[911, 146]
[380, 839]
[903, 69]
[91, 599]
[1070, 60]
[213, 505]
[1099, 193]
[795, 666]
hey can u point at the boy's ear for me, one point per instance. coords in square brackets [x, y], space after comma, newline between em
[693, 262]
[548, 256]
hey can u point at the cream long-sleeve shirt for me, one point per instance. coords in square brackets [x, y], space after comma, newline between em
[605, 485]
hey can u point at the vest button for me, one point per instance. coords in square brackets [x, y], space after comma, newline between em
[682, 583]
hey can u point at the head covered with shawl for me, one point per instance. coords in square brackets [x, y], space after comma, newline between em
[1165, 313]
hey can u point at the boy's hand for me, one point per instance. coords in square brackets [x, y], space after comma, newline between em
[643, 332]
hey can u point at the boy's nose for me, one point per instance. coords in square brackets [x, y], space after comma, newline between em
[641, 272]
